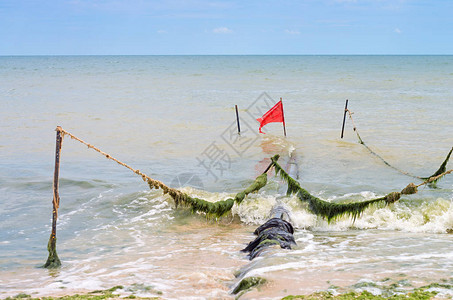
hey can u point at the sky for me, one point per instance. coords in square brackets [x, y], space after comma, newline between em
[173, 27]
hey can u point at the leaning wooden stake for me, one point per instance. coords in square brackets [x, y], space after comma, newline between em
[237, 119]
[344, 117]
[53, 261]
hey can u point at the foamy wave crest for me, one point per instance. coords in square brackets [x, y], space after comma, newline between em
[208, 196]
[255, 209]
[433, 217]
[405, 215]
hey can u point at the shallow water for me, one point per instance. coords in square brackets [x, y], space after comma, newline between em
[165, 115]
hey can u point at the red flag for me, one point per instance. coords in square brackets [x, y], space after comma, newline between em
[275, 114]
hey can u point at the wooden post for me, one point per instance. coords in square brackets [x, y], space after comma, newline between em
[53, 261]
[237, 118]
[270, 165]
[344, 117]
[283, 113]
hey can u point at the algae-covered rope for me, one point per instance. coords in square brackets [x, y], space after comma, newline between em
[331, 211]
[217, 209]
[435, 178]
[222, 207]
[441, 169]
[374, 153]
[154, 182]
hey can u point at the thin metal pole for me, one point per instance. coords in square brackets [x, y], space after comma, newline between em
[237, 118]
[344, 117]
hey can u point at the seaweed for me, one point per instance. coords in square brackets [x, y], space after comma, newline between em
[440, 171]
[93, 295]
[248, 283]
[53, 261]
[332, 211]
[214, 209]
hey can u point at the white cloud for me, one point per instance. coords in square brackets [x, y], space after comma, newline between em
[397, 30]
[162, 32]
[222, 30]
[294, 32]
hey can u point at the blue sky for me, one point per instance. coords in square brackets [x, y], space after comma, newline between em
[78, 27]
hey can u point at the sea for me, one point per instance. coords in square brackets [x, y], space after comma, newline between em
[174, 119]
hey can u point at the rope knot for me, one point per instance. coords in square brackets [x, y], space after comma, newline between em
[151, 184]
[393, 197]
[409, 189]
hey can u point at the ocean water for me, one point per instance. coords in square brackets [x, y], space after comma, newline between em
[173, 118]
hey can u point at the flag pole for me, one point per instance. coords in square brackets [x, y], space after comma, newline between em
[237, 119]
[283, 114]
[344, 117]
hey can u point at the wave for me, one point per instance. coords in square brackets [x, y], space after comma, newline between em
[47, 184]
[419, 215]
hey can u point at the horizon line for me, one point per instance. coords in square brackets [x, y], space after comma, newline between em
[358, 54]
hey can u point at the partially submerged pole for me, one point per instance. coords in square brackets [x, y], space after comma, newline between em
[53, 261]
[237, 118]
[283, 115]
[344, 117]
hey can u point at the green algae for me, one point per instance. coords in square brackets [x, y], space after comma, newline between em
[268, 242]
[415, 295]
[53, 261]
[249, 283]
[219, 208]
[94, 295]
[394, 291]
[439, 171]
[20, 296]
[140, 287]
[329, 210]
[332, 211]
[442, 169]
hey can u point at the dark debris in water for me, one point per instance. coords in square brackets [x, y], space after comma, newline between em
[274, 232]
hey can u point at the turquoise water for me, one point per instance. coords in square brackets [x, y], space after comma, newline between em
[164, 114]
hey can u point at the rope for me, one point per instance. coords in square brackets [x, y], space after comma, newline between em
[153, 183]
[330, 210]
[411, 188]
[434, 178]
[377, 155]
[180, 197]
[217, 209]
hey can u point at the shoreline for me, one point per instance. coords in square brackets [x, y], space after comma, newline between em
[432, 291]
